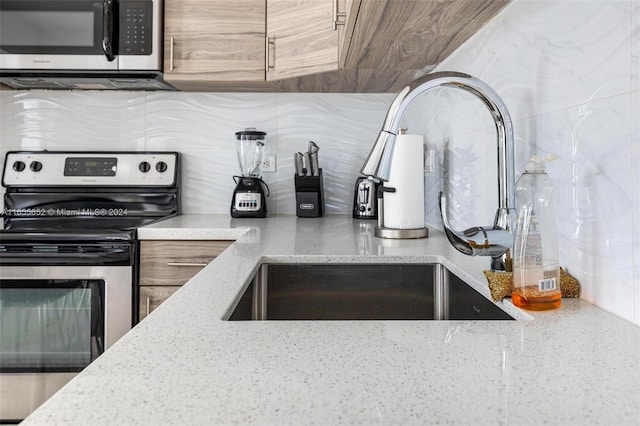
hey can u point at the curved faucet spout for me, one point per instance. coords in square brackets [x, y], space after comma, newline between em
[489, 240]
[494, 240]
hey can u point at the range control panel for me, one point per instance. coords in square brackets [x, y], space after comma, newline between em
[90, 169]
[90, 166]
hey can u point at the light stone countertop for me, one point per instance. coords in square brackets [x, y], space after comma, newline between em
[185, 364]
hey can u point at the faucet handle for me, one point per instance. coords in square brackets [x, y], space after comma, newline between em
[491, 240]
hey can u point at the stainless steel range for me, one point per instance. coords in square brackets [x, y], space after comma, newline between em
[68, 261]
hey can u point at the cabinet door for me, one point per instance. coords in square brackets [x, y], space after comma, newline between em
[301, 38]
[346, 17]
[152, 296]
[165, 265]
[214, 40]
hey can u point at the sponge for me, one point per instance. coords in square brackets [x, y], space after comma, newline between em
[501, 282]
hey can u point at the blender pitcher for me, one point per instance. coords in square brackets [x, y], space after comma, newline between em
[250, 150]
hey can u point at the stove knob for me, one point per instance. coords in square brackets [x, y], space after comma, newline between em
[18, 166]
[144, 167]
[35, 166]
[161, 166]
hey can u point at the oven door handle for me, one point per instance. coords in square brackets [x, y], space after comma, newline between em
[105, 256]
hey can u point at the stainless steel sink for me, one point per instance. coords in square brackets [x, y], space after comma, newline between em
[361, 292]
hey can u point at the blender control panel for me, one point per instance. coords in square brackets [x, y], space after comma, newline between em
[90, 169]
[248, 201]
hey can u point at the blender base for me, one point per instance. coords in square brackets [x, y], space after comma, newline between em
[249, 198]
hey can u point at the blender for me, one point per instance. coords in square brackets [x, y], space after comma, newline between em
[251, 192]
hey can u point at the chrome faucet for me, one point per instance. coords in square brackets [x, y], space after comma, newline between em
[493, 240]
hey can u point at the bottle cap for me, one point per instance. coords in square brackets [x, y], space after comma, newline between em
[536, 164]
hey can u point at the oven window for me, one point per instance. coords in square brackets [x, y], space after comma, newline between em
[50, 325]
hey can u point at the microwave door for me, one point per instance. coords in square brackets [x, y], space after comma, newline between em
[61, 35]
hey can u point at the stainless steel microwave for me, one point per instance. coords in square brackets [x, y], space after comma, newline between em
[82, 41]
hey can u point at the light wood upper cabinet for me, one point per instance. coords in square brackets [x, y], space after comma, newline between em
[214, 40]
[301, 38]
[292, 45]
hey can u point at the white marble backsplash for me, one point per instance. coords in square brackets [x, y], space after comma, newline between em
[569, 71]
[202, 126]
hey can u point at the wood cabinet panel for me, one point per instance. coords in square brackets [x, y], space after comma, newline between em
[301, 38]
[214, 40]
[346, 27]
[173, 263]
[383, 45]
[165, 265]
[414, 34]
[153, 296]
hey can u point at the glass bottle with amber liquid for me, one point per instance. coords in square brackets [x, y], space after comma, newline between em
[536, 277]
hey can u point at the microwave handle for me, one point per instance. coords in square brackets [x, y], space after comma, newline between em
[107, 29]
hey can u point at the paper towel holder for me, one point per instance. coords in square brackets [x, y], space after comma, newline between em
[394, 233]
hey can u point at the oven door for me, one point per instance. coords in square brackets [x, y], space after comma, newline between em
[54, 321]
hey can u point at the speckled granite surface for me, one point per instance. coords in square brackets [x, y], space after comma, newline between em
[185, 364]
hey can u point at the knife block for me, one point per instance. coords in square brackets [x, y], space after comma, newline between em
[309, 195]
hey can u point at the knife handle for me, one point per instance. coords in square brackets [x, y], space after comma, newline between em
[297, 163]
[307, 164]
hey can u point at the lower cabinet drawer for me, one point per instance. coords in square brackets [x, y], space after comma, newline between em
[152, 296]
[175, 262]
[165, 265]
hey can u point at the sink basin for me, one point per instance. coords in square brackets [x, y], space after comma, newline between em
[361, 292]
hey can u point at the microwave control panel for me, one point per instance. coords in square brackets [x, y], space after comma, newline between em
[135, 34]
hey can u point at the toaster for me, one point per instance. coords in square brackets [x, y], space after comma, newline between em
[365, 204]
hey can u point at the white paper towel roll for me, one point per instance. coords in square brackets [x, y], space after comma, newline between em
[404, 209]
